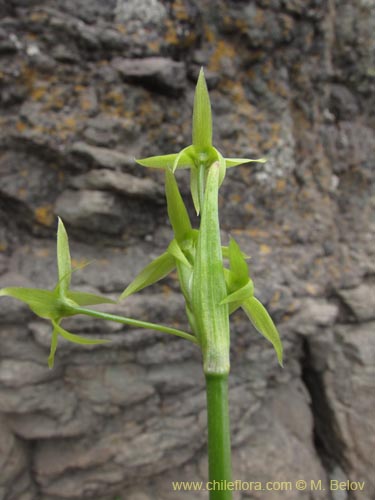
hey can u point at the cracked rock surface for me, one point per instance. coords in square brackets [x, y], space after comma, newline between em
[86, 87]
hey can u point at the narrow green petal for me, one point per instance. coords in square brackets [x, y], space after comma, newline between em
[194, 189]
[87, 299]
[237, 262]
[202, 119]
[54, 342]
[222, 164]
[175, 250]
[234, 162]
[76, 339]
[184, 159]
[177, 212]
[240, 295]
[43, 303]
[166, 161]
[153, 272]
[64, 264]
[225, 251]
[262, 321]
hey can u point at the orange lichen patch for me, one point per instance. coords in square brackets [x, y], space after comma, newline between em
[166, 290]
[79, 263]
[121, 28]
[44, 215]
[180, 11]
[38, 16]
[38, 93]
[21, 126]
[275, 298]
[280, 185]
[267, 67]
[154, 45]
[249, 207]
[70, 122]
[288, 24]
[42, 252]
[170, 35]
[222, 50]
[236, 197]
[209, 34]
[265, 249]
[312, 289]
[3, 246]
[113, 103]
[278, 88]
[257, 233]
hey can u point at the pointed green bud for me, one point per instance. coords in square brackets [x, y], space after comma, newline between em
[177, 212]
[202, 119]
[262, 321]
[237, 263]
[64, 264]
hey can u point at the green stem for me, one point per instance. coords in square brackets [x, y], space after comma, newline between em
[219, 449]
[136, 322]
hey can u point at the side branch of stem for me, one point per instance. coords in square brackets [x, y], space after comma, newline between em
[135, 322]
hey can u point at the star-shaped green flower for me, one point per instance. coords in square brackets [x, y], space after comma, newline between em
[61, 302]
[201, 154]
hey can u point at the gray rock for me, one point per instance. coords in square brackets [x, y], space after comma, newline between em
[121, 183]
[314, 314]
[156, 72]
[91, 211]
[360, 301]
[102, 157]
[145, 11]
[14, 373]
[15, 479]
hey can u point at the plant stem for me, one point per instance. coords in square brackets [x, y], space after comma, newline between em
[135, 322]
[219, 449]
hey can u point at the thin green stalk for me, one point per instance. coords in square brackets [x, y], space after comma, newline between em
[219, 449]
[135, 322]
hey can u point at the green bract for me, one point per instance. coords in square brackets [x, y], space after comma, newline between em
[61, 302]
[201, 154]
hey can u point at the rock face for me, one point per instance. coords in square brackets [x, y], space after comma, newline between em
[85, 87]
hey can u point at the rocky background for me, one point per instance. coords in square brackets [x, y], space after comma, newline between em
[86, 86]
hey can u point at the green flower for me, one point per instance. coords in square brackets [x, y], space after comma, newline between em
[201, 154]
[240, 289]
[61, 302]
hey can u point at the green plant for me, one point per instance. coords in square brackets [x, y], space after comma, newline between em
[212, 289]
